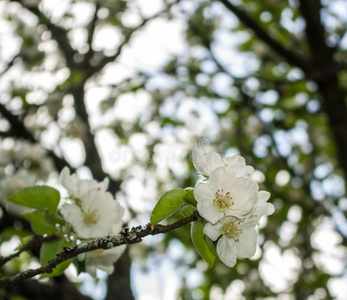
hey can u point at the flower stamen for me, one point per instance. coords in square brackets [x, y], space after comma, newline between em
[91, 217]
[222, 201]
[231, 230]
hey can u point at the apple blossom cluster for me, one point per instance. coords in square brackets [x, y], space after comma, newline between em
[231, 203]
[92, 213]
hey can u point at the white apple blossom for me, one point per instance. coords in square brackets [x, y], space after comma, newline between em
[77, 187]
[103, 259]
[238, 238]
[91, 211]
[238, 235]
[94, 214]
[206, 162]
[225, 194]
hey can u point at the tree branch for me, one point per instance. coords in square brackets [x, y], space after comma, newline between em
[57, 289]
[35, 242]
[20, 131]
[91, 32]
[324, 70]
[290, 56]
[107, 59]
[125, 237]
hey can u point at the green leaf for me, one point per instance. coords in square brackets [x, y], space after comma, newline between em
[39, 222]
[48, 252]
[54, 218]
[80, 265]
[189, 196]
[40, 196]
[167, 205]
[187, 210]
[203, 244]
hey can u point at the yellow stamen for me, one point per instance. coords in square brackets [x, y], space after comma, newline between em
[91, 217]
[222, 201]
[231, 230]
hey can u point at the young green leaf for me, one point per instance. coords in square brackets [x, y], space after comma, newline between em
[202, 244]
[48, 252]
[167, 205]
[40, 196]
[189, 196]
[39, 222]
[187, 210]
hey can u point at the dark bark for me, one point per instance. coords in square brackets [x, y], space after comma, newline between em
[320, 67]
[289, 55]
[324, 71]
[60, 288]
[21, 132]
[120, 279]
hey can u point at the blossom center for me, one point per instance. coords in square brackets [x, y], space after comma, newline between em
[231, 230]
[222, 201]
[98, 252]
[91, 217]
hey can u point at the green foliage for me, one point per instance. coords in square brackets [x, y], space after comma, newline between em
[40, 222]
[48, 252]
[187, 210]
[41, 197]
[189, 197]
[203, 244]
[167, 205]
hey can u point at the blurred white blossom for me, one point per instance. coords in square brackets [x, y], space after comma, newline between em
[77, 187]
[93, 214]
[11, 184]
[103, 259]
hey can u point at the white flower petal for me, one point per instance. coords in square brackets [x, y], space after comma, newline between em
[103, 259]
[71, 213]
[246, 247]
[247, 243]
[213, 231]
[237, 164]
[204, 197]
[263, 208]
[206, 162]
[227, 251]
[244, 171]
[221, 179]
[244, 192]
[263, 196]
[70, 182]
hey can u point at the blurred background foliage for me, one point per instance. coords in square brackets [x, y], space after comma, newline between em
[127, 89]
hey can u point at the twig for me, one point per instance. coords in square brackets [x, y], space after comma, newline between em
[125, 237]
[36, 241]
[292, 57]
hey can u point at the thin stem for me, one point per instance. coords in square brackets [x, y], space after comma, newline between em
[35, 242]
